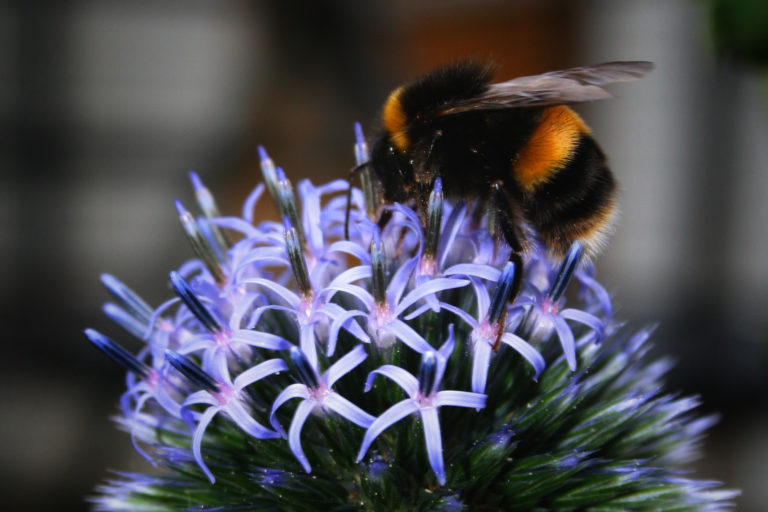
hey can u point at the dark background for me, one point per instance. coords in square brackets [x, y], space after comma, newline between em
[105, 105]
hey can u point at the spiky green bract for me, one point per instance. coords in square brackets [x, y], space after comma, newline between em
[603, 438]
[535, 408]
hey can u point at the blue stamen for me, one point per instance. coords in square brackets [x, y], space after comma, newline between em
[125, 320]
[117, 353]
[567, 269]
[427, 373]
[286, 203]
[361, 148]
[191, 371]
[195, 306]
[434, 219]
[296, 257]
[199, 244]
[378, 269]
[307, 375]
[135, 304]
[502, 292]
[208, 206]
[209, 231]
[269, 173]
[369, 187]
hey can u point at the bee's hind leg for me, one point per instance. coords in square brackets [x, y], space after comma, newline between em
[511, 279]
[508, 229]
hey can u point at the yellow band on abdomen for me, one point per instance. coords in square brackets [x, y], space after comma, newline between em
[394, 120]
[549, 147]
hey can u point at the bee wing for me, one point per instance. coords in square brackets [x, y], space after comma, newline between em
[573, 85]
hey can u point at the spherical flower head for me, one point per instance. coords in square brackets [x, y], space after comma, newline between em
[407, 372]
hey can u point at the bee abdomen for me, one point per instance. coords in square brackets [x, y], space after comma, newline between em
[576, 202]
[549, 147]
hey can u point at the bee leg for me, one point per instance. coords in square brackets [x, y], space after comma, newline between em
[352, 173]
[384, 218]
[508, 230]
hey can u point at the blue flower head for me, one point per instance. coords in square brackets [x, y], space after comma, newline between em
[487, 400]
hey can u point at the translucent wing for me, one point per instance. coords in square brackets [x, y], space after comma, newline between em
[573, 85]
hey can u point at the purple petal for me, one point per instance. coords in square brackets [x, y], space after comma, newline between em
[245, 421]
[294, 433]
[134, 441]
[292, 391]
[585, 318]
[262, 256]
[239, 225]
[527, 351]
[400, 280]
[166, 402]
[218, 367]
[242, 306]
[287, 295]
[475, 270]
[434, 442]
[310, 215]
[352, 274]
[361, 293]
[446, 349]
[407, 335]
[431, 299]
[260, 339]
[603, 297]
[450, 230]
[332, 187]
[402, 378]
[411, 219]
[250, 202]
[481, 360]
[307, 343]
[256, 315]
[460, 313]
[524, 300]
[348, 410]
[258, 372]
[346, 364]
[156, 315]
[461, 399]
[392, 415]
[351, 248]
[422, 309]
[339, 322]
[428, 288]
[197, 439]
[566, 340]
[195, 343]
[199, 397]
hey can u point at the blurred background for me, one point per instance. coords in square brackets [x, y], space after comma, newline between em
[105, 106]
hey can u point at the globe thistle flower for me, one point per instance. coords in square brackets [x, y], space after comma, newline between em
[485, 404]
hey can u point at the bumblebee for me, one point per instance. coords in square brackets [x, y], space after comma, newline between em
[513, 148]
